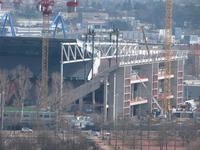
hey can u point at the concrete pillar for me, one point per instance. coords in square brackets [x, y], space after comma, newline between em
[2, 109]
[93, 98]
[81, 104]
[114, 99]
[105, 99]
[93, 101]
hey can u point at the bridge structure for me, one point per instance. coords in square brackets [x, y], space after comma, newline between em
[7, 19]
[7, 25]
[131, 69]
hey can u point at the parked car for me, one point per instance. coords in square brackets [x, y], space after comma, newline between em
[26, 130]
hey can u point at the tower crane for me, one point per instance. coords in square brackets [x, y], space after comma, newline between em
[1, 3]
[45, 6]
[72, 5]
[168, 44]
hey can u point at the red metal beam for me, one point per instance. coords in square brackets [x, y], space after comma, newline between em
[72, 4]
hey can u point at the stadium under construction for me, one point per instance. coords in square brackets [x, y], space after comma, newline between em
[123, 78]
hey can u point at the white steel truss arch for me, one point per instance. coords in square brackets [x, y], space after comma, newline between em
[128, 53]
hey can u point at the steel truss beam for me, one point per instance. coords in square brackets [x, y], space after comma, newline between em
[129, 54]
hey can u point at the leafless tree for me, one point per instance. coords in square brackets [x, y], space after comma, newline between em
[55, 92]
[47, 142]
[188, 132]
[39, 92]
[148, 130]
[41, 102]
[4, 81]
[55, 97]
[21, 76]
[2, 145]
[163, 136]
[22, 144]
[195, 145]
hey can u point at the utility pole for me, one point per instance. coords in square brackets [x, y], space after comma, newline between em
[91, 33]
[116, 33]
[110, 59]
[85, 49]
[2, 108]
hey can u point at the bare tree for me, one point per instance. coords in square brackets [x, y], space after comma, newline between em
[22, 144]
[55, 97]
[4, 81]
[188, 133]
[163, 136]
[195, 145]
[39, 92]
[21, 76]
[55, 92]
[2, 145]
[41, 101]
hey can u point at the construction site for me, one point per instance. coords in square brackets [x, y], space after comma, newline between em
[116, 79]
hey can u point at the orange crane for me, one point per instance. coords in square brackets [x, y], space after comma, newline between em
[168, 44]
[45, 6]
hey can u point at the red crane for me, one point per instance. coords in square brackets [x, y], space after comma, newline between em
[72, 5]
[1, 2]
[45, 6]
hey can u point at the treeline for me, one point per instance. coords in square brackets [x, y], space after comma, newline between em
[44, 141]
[19, 87]
[154, 12]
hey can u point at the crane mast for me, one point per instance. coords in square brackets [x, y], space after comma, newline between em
[45, 6]
[168, 44]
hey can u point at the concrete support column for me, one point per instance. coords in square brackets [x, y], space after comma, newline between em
[105, 99]
[114, 99]
[81, 104]
[93, 98]
[2, 109]
[93, 101]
